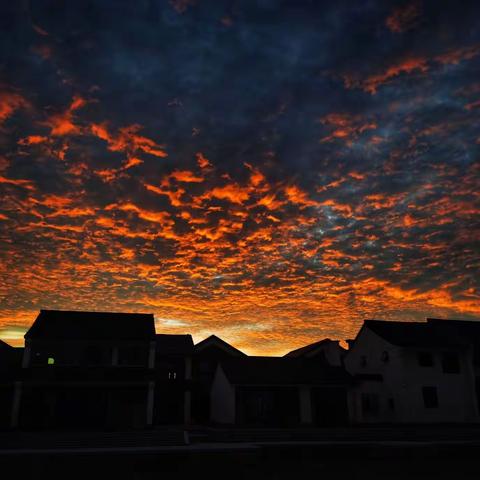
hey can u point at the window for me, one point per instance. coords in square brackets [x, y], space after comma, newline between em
[430, 397]
[363, 361]
[172, 375]
[132, 356]
[385, 357]
[425, 359]
[93, 355]
[391, 404]
[370, 404]
[50, 361]
[450, 362]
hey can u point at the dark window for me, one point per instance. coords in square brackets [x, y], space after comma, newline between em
[430, 397]
[132, 356]
[370, 403]
[450, 362]
[385, 357]
[425, 359]
[363, 361]
[93, 355]
[391, 404]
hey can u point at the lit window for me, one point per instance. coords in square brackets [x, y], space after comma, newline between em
[51, 361]
[172, 375]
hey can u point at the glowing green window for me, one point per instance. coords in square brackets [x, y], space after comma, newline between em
[51, 361]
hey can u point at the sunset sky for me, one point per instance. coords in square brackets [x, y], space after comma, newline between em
[273, 172]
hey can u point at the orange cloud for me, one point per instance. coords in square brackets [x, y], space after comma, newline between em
[28, 184]
[298, 196]
[186, 176]
[202, 161]
[345, 126]
[403, 18]
[128, 140]
[33, 140]
[455, 56]
[62, 123]
[408, 66]
[9, 103]
[232, 192]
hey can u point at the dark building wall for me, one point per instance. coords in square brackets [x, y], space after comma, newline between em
[267, 406]
[204, 364]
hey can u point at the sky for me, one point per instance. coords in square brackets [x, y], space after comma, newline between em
[273, 172]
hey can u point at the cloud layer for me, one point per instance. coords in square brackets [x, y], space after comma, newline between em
[272, 172]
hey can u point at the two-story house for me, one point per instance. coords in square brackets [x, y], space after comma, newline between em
[86, 370]
[206, 356]
[411, 372]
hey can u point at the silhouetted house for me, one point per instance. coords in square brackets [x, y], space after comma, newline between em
[87, 370]
[469, 331]
[326, 351]
[206, 355]
[414, 371]
[173, 373]
[10, 363]
[279, 391]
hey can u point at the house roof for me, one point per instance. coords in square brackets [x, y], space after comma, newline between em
[415, 334]
[307, 349]
[281, 371]
[5, 347]
[467, 330]
[174, 344]
[76, 325]
[213, 340]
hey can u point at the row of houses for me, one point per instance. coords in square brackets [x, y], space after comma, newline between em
[89, 370]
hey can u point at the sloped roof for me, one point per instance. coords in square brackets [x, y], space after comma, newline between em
[304, 351]
[76, 325]
[5, 347]
[281, 371]
[174, 344]
[213, 340]
[467, 330]
[415, 334]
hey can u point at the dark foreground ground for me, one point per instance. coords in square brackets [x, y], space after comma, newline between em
[360, 453]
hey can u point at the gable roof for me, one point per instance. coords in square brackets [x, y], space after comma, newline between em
[77, 325]
[214, 341]
[308, 349]
[467, 330]
[414, 334]
[281, 371]
[173, 344]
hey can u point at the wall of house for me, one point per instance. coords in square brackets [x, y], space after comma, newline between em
[222, 399]
[371, 355]
[86, 353]
[455, 391]
[399, 397]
